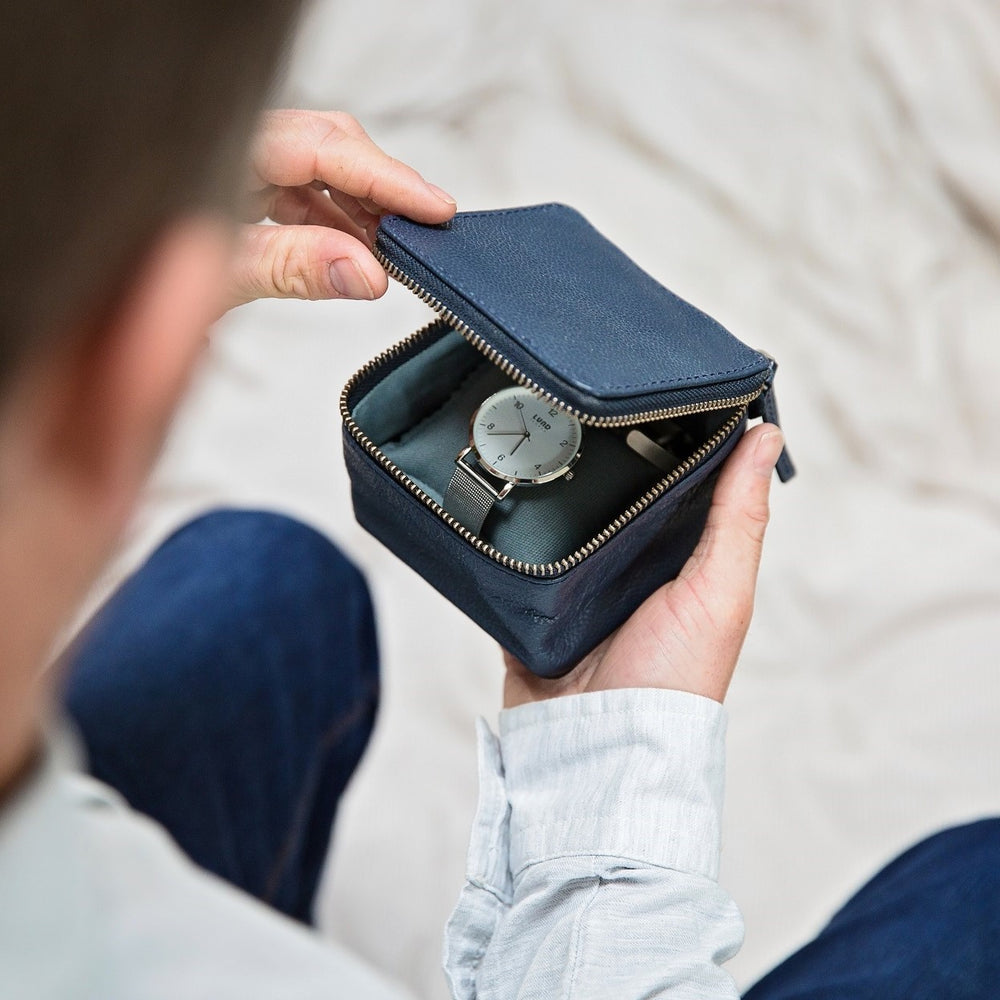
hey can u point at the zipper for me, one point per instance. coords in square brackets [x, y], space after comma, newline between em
[531, 569]
[513, 372]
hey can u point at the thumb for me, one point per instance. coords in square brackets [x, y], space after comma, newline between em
[303, 262]
[728, 555]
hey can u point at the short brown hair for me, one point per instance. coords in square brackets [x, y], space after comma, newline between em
[117, 116]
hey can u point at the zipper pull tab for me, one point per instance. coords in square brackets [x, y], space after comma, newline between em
[766, 406]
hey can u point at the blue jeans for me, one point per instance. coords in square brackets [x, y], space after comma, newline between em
[926, 927]
[228, 690]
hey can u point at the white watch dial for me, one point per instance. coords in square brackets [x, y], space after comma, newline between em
[521, 438]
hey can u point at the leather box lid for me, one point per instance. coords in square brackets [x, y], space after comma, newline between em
[572, 312]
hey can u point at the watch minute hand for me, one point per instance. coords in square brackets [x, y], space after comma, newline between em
[524, 437]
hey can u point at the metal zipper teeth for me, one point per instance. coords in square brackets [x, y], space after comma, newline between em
[513, 372]
[400, 347]
[530, 569]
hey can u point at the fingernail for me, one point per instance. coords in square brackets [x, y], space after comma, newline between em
[349, 280]
[443, 195]
[767, 451]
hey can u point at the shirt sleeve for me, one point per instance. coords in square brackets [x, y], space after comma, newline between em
[594, 854]
[97, 901]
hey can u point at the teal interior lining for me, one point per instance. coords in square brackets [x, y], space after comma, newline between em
[419, 386]
[419, 417]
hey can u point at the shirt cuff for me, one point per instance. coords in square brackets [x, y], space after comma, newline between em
[487, 865]
[634, 773]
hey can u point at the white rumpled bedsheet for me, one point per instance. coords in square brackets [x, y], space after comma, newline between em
[824, 178]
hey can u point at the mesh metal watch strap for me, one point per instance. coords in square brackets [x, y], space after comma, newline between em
[468, 499]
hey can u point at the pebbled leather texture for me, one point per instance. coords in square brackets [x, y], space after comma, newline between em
[572, 311]
[547, 623]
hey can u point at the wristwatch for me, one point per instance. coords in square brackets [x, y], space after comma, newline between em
[515, 439]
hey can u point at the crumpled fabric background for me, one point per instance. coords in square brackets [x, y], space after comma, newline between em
[823, 178]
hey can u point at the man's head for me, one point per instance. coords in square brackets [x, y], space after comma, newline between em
[124, 127]
[117, 117]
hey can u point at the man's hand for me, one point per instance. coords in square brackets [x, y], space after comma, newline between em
[687, 635]
[325, 182]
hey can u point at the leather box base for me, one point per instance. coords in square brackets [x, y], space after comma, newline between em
[549, 623]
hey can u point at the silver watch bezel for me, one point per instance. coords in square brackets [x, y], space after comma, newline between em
[517, 480]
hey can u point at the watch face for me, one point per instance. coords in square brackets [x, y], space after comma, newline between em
[521, 438]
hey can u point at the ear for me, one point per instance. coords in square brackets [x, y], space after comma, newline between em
[109, 398]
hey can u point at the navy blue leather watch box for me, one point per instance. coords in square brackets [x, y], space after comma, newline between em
[544, 451]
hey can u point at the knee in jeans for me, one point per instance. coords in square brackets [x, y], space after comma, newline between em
[972, 850]
[958, 868]
[230, 593]
[273, 560]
